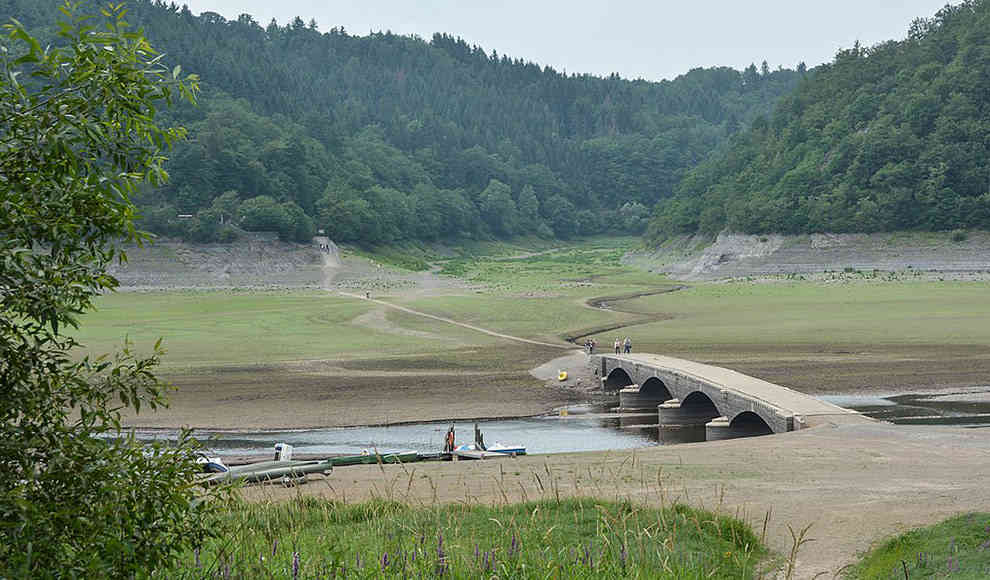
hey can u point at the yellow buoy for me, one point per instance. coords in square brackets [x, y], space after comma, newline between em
[562, 375]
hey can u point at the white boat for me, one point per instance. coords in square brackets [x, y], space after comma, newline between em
[496, 451]
[506, 448]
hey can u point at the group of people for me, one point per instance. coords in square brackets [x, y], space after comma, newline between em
[623, 346]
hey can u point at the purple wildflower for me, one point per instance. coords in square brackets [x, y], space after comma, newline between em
[623, 555]
[953, 564]
[476, 551]
[514, 547]
[295, 565]
[196, 558]
[274, 547]
[384, 561]
[441, 567]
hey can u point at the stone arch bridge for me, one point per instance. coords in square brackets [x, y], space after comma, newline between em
[727, 403]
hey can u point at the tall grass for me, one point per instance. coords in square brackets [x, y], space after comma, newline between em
[956, 548]
[567, 538]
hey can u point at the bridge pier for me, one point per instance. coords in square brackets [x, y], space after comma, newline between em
[721, 428]
[680, 424]
[632, 398]
[673, 413]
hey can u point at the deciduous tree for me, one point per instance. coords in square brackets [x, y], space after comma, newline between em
[78, 498]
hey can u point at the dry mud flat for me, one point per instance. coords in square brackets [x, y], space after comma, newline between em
[853, 484]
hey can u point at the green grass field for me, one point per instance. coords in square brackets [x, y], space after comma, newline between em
[575, 538]
[956, 548]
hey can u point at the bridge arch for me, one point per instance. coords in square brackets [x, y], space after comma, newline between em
[701, 404]
[617, 380]
[656, 389]
[750, 424]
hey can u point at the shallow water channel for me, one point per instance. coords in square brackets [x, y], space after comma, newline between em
[964, 407]
[582, 428]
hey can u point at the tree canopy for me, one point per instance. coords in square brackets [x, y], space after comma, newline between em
[383, 137]
[892, 137]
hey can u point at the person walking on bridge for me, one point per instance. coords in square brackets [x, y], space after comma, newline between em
[628, 345]
[617, 345]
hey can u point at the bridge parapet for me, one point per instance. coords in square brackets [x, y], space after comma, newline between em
[714, 391]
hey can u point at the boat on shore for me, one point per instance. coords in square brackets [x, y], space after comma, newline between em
[495, 451]
[372, 458]
[270, 471]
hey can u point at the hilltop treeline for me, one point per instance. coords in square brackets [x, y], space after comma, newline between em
[382, 138]
[892, 137]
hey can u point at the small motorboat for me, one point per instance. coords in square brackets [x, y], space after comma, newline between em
[507, 449]
[497, 451]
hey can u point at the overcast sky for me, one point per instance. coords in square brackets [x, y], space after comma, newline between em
[637, 38]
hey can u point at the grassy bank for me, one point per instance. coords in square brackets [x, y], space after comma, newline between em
[956, 548]
[578, 538]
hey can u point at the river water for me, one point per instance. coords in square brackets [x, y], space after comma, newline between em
[581, 428]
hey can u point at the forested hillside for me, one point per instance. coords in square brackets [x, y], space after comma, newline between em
[384, 138]
[892, 137]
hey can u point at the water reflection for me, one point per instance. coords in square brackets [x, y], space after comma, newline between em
[674, 434]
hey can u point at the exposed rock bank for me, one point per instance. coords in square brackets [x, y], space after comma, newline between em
[739, 255]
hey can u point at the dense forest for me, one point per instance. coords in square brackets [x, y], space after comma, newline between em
[892, 137]
[385, 138]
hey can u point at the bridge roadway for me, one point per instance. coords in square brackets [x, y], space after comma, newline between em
[726, 401]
